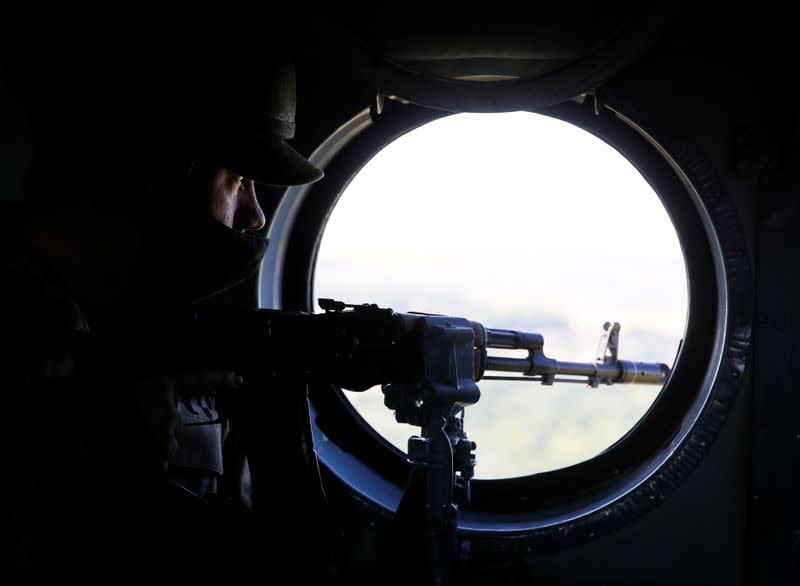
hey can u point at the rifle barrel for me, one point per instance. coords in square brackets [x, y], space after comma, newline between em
[537, 364]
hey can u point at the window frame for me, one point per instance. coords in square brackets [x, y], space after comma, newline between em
[651, 460]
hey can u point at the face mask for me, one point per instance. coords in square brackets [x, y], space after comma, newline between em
[196, 257]
[218, 258]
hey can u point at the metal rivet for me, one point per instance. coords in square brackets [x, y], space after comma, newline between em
[702, 444]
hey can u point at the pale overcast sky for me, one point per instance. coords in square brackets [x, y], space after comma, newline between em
[518, 221]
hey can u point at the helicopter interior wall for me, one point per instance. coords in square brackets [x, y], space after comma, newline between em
[16, 145]
[775, 474]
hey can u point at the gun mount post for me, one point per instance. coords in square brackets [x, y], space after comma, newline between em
[442, 454]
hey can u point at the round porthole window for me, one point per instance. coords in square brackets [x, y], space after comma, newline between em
[553, 223]
[518, 221]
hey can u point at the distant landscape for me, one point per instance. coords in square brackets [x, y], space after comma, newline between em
[520, 222]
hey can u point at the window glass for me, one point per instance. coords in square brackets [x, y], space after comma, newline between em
[518, 221]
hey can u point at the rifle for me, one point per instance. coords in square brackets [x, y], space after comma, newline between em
[361, 346]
